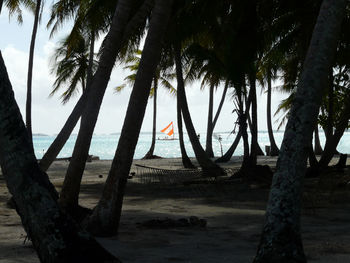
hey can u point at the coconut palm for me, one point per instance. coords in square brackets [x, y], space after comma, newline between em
[161, 78]
[30, 68]
[71, 66]
[51, 231]
[281, 239]
[127, 19]
[106, 216]
[14, 7]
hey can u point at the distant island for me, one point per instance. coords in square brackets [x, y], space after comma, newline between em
[39, 134]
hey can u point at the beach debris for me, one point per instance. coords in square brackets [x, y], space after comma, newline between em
[192, 221]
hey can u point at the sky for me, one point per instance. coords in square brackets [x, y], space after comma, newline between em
[49, 115]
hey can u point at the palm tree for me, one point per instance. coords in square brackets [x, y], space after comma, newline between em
[71, 66]
[106, 216]
[112, 45]
[14, 7]
[281, 239]
[208, 166]
[30, 69]
[51, 231]
[161, 77]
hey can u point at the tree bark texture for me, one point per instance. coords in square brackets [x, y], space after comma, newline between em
[30, 71]
[105, 218]
[208, 166]
[55, 236]
[112, 44]
[281, 238]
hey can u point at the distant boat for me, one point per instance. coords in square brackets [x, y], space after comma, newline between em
[169, 131]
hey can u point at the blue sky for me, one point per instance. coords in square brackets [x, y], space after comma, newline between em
[49, 114]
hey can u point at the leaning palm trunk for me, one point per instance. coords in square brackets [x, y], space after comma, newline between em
[227, 156]
[281, 238]
[185, 159]
[112, 44]
[208, 166]
[54, 235]
[209, 140]
[62, 137]
[105, 218]
[333, 139]
[30, 71]
[212, 124]
[274, 149]
[150, 152]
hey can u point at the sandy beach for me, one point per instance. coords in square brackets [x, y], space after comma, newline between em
[233, 212]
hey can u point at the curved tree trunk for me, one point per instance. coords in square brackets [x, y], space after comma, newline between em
[209, 140]
[274, 149]
[30, 71]
[220, 104]
[212, 126]
[112, 44]
[204, 161]
[62, 137]
[68, 127]
[330, 147]
[106, 216]
[150, 152]
[281, 239]
[227, 156]
[55, 236]
[185, 159]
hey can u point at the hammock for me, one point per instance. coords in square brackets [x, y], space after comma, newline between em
[149, 174]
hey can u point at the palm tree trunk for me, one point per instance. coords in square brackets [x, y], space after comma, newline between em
[30, 71]
[220, 104]
[254, 127]
[208, 166]
[227, 156]
[150, 152]
[332, 141]
[55, 236]
[209, 140]
[274, 149]
[62, 137]
[281, 239]
[91, 59]
[185, 159]
[112, 44]
[106, 216]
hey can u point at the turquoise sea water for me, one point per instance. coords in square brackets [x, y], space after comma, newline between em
[104, 145]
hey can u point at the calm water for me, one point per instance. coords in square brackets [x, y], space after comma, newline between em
[104, 145]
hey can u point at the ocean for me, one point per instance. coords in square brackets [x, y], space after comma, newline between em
[104, 146]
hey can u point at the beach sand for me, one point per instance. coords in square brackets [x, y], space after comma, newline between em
[234, 214]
